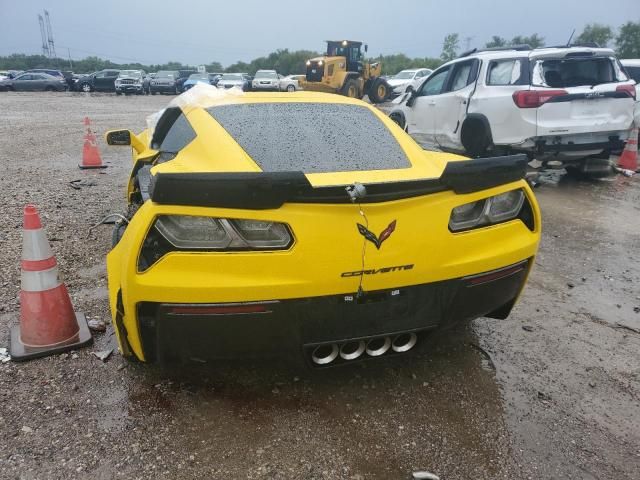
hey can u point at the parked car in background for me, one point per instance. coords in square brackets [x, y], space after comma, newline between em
[214, 78]
[408, 80]
[266, 80]
[566, 103]
[32, 82]
[102, 81]
[196, 78]
[183, 76]
[146, 82]
[164, 82]
[4, 74]
[632, 67]
[48, 71]
[290, 83]
[230, 80]
[130, 81]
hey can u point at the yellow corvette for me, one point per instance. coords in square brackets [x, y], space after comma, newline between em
[308, 224]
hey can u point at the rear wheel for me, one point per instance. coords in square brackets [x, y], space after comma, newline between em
[379, 91]
[291, 88]
[350, 89]
[49, 89]
[85, 87]
[475, 138]
[398, 118]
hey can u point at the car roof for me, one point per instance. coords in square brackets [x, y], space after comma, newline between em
[209, 109]
[524, 51]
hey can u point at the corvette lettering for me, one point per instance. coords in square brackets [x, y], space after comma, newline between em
[375, 271]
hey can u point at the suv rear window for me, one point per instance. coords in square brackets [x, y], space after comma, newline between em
[311, 137]
[574, 72]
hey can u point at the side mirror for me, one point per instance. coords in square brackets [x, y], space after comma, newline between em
[124, 137]
[412, 98]
[118, 137]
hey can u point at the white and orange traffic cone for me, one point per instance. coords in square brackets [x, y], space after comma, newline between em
[90, 153]
[48, 323]
[629, 158]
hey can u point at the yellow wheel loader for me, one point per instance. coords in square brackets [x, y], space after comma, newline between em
[343, 70]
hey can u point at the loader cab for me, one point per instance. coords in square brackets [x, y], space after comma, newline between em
[351, 51]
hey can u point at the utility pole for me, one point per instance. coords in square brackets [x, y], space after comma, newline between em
[45, 45]
[70, 64]
[52, 48]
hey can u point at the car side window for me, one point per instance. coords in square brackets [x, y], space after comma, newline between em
[461, 76]
[420, 74]
[173, 132]
[505, 72]
[24, 77]
[433, 86]
[101, 74]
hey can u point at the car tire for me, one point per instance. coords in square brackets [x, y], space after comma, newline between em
[379, 91]
[118, 93]
[85, 87]
[474, 138]
[398, 119]
[291, 88]
[350, 89]
[49, 89]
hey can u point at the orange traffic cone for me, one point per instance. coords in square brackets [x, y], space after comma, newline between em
[48, 323]
[90, 153]
[629, 158]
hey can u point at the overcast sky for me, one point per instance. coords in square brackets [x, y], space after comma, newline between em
[201, 31]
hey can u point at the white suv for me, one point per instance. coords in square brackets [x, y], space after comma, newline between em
[266, 80]
[632, 67]
[565, 103]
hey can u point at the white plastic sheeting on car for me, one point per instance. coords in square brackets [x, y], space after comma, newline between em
[200, 95]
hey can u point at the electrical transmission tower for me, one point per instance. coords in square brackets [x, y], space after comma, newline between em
[52, 48]
[45, 45]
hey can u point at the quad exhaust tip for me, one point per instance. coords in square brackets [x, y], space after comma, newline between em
[352, 350]
[325, 354]
[378, 346]
[404, 342]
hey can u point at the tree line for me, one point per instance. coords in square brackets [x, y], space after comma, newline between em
[626, 41]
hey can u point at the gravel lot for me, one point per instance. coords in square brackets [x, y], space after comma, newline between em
[551, 392]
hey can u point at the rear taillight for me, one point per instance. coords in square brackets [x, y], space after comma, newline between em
[535, 98]
[627, 89]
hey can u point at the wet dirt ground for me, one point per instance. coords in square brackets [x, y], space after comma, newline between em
[552, 392]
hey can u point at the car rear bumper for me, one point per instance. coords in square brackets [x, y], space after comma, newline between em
[162, 88]
[296, 327]
[572, 147]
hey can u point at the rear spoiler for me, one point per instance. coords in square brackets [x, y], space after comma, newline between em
[268, 190]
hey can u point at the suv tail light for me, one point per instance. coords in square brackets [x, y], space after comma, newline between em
[535, 98]
[628, 89]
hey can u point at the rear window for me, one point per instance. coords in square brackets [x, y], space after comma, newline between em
[574, 72]
[311, 137]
